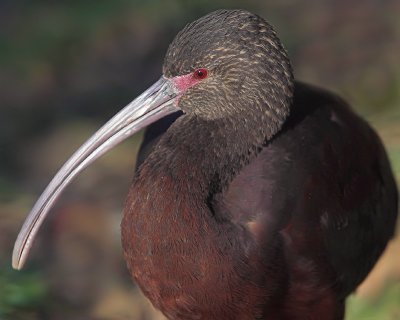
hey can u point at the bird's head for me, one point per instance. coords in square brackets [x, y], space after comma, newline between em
[230, 61]
[226, 63]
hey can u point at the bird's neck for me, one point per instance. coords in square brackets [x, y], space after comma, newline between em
[194, 160]
[204, 155]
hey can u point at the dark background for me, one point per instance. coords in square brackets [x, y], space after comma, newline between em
[67, 66]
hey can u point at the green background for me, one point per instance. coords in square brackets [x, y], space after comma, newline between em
[67, 66]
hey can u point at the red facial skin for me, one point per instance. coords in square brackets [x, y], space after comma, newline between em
[182, 83]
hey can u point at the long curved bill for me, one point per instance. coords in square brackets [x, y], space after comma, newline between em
[153, 104]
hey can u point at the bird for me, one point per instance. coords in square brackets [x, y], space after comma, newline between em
[256, 196]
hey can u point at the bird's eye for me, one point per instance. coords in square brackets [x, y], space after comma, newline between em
[200, 74]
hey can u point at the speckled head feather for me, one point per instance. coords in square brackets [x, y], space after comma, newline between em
[248, 67]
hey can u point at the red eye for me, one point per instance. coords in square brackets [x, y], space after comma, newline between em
[200, 74]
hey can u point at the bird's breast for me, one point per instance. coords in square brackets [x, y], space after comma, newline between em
[184, 261]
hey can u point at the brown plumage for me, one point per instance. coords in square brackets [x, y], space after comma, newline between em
[256, 196]
[223, 222]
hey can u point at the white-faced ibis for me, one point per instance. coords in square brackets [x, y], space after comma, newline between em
[257, 196]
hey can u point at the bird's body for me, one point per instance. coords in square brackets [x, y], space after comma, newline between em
[288, 236]
[264, 198]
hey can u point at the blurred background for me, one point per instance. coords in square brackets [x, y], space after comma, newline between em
[67, 66]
